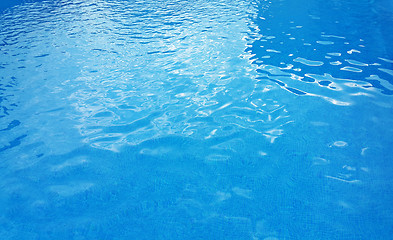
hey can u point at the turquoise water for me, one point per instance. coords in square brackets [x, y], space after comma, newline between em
[227, 119]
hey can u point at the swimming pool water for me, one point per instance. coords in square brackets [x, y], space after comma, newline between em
[222, 119]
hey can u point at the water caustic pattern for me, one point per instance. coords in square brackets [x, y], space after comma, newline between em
[224, 119]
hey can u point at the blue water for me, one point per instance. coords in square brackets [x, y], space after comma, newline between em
[220, 119]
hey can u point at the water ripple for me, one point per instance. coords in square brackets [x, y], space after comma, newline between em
[156, 70]
[227, 117]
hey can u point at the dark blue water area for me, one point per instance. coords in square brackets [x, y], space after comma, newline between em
[223, 119]
[8, 4]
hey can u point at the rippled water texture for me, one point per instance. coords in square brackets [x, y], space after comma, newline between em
[222, 119]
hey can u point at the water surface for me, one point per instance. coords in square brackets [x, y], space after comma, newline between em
[224, 119]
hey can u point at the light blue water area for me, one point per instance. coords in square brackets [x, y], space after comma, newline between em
[221, 119]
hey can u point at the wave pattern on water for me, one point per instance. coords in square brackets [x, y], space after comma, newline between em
[195, 119]
[135, 71]
[303, 52]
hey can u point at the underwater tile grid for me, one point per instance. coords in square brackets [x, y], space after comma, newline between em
[220, 119]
